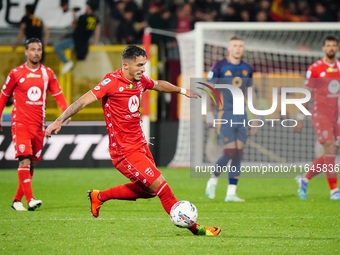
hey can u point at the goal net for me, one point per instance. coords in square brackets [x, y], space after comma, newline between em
[280, 54]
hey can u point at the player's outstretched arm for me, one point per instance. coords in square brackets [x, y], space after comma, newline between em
[167, 87]
[85, 100]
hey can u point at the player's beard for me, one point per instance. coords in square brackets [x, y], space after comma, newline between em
[331, 55]
[35, 61]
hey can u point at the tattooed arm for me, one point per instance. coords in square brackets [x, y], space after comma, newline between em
[85, 100]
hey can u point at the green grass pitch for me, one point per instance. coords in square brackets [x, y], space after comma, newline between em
[272, 221]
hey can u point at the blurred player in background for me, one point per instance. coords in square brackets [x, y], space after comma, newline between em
[323, 79]
[29, 84]
[84, 27]
[32, 27]
[121, 93]
[230, 70]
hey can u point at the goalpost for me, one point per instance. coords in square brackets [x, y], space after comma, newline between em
[280, 54]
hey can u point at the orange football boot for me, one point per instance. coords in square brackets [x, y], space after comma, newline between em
[95, 202]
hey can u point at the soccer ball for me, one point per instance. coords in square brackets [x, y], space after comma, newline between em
[183, 214]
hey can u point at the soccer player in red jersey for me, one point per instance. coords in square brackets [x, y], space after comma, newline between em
[121, 93]
[29, 84]
[323, 79]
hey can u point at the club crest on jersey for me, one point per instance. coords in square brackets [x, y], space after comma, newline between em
[34, 93]
[32, 75]
[228, 73]
[130, 86]
[22, 148]
[133, 104]
[149, 172]
[106, 81]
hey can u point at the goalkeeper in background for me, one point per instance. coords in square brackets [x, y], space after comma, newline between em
[323, 79]
[230, 70]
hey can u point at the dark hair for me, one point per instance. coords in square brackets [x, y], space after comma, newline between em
[132, 52]
[93, 4]
[30, 8]
[330, 38]
[32, 40]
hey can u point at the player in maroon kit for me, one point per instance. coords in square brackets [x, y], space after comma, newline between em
[29, 84]
[323, 78]
[121, 93]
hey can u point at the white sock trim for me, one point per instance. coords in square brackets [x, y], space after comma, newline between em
[159, 191]
[213, 179]
[334, 190]
[231, 190]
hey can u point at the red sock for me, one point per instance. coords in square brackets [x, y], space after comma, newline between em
[25, 182]
[329, 160]
[128, 191]
[314, 169]
[19, 194]
[166, 196]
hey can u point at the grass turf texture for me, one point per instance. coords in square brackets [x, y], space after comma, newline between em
[273, 220]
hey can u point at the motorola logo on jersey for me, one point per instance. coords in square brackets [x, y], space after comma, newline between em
[34, 93]
[133, 104]
[334, 86]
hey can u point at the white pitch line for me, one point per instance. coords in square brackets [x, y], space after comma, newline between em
[157, 219]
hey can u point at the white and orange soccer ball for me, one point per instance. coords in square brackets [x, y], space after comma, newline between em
[183, 214]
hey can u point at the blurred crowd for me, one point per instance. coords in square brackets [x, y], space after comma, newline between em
[128, 18]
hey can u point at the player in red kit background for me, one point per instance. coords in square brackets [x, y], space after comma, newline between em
[121, 93]
[29, 84]
[323, 78]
